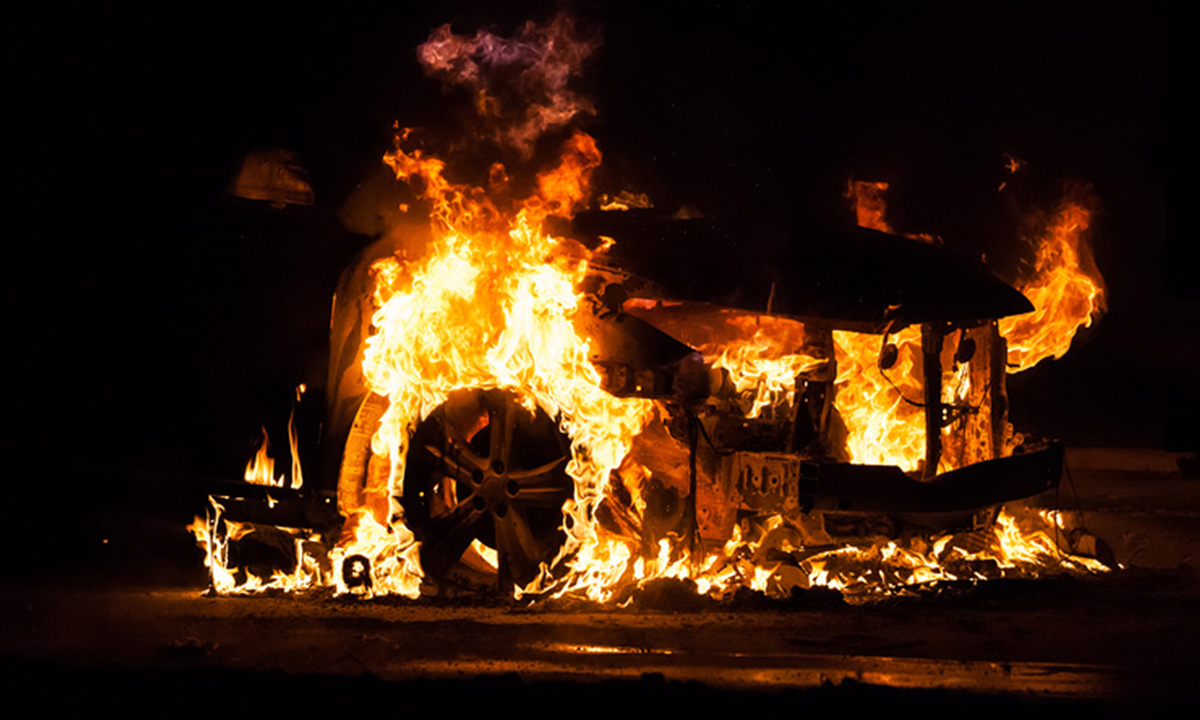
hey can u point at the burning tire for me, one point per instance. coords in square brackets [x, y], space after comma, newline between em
[483, 468]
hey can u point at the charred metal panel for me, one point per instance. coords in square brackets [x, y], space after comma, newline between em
[883, 488]
[932, 339]
[622, 338]
[634, 358]
[857, 278]
[275, 175]
[769, 482]
[630, 381]
[279, 507]
[359, 471]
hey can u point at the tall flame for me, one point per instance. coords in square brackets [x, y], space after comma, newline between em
[1065, 287]
[260, 469]
[294, 442]
[492, 306]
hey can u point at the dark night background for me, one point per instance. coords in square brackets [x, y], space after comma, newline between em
[140, 287]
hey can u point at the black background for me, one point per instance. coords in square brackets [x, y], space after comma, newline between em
[138, 287]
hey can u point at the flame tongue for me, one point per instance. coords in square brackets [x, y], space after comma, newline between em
[492, 305]
[1065, 288]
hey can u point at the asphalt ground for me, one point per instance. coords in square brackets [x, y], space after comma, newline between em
[1121, 639]
[1128, 638]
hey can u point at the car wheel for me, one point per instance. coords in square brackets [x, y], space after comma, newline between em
[482, 467]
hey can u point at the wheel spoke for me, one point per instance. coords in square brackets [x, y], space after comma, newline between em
[451, 532]
[545, 497]
[515, 540]
[526, 477]
[543, 487]
[501, 420]
[460, 448]
[452, 432]
[457, 463]
[463, 486]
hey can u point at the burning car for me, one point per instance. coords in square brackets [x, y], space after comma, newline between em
[558, 400]
[741, 373]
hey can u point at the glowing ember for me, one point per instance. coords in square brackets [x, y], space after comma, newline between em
[624, 200]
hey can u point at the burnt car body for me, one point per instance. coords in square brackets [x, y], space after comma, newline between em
[478, 472]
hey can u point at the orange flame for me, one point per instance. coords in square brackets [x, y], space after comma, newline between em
[883, 427]
[765, 362]
[492, 306]
[214, 534]
[1065, 288]
[294, 442]
[869, 205]
[260, 469]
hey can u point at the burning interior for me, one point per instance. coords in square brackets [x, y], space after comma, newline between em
[562, 395]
